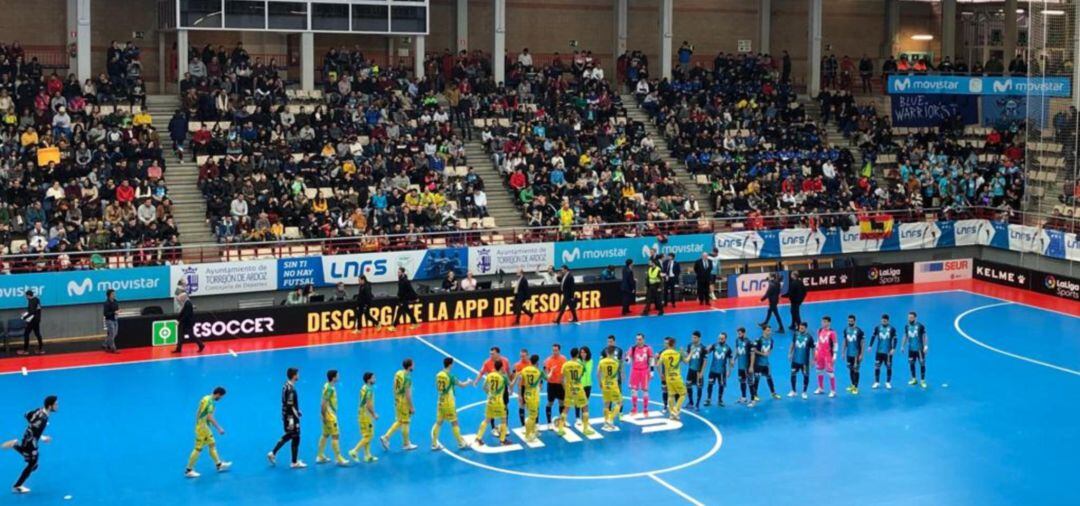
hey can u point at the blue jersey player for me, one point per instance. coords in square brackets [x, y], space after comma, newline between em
[884, 337]
[721, 360]
[801, 345]
[695, 369]
[759, 364]
[853, 350]
[742, 360]
[917, 343]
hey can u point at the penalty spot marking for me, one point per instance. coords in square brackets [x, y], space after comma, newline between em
[965, 335]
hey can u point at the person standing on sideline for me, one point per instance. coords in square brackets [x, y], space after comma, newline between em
[772, 294]
[628, 287]
[364, 301]
[566, 288]
[703, 271]
[796, 293]
[32, 317]
[522, 294]
[110, 309]
[290, 419]
[654, 293]
[672, 271]
[186, 319]
[406, 296]
[36, 420]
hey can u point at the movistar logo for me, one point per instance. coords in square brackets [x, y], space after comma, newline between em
[79, 289]
[571, 255]
[902, 84]
[1003, 86]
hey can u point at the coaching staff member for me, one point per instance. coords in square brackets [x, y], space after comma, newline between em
[522, 292]
[672, 271]
[796, 293]
[628, 286]
[406, 296]
[772, 294]
[187, 323]
[364, 301]
[566, 288]
[703, 274]
[109, 311]
[32, 317]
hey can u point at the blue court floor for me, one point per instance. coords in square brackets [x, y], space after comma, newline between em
[998, 424]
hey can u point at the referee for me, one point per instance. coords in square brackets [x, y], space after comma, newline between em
[406, 296]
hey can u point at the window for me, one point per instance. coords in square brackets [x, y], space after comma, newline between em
[369, 18]
[334, 17]
[287, 15]
[245, 14]
[409, 20]
[200, 13]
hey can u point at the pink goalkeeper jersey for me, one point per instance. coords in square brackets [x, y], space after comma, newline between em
[826, 344]
[641, 357]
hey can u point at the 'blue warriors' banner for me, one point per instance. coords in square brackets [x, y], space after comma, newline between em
[933, 110]
[979, 85]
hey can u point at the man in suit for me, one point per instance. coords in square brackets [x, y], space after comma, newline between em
[186, 318]
[772, 294]
[628, 287]
[672, 271]
[32, 317]
[406, 296]
[521, 296]
[566, 288]
[703, 274]
[364, 301]
[796, 293]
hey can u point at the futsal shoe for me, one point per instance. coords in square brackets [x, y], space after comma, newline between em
[913, 382]
[804, 396]
[21, 490]
[385, 442]
[719, 404]
[322, 460]
[272, 458]
[776, 396]
[436, 447]
[708, 402]
[888, 385]
[850, 388]
[342, 462]
[371, 459]
[791, 394]
[223, 466]
[923, 384]
[299, 464]
[464, 446]
[818, 391]
[875, 385]
[191, 473]
[854, 391]
[409, 447]
[832, 394]
[354, 455]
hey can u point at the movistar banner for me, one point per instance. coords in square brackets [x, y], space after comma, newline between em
[600, 253]
[84, 287]
[979, 85]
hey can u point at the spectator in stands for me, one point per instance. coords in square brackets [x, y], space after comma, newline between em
[450, 282]
[296, 297]
[469, 283]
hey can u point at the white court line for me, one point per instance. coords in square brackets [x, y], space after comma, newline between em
[965, 335]
[1032, 306]
[672, 488]
[467, 331]
[457, 361]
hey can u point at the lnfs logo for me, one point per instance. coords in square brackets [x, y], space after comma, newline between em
[353, 269]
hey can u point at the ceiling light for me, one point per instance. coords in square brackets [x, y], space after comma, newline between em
[922, 36]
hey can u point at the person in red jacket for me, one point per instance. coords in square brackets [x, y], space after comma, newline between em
[125, 192]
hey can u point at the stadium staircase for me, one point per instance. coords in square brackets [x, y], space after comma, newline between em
[698, 187]
[189, 205]
[501, 206]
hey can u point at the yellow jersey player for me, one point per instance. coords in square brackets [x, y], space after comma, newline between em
[367, 418]
[446, 410]
[573, 373]
[495, 385]
[670, 360]
[403, 407]
[530, 378]
[204, 434]
[330, 430]
[609, 374]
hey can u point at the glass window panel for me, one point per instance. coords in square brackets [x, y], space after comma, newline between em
[245, 14]
[330, 17]
[200, 13]
[408, 19]
[287, 15]
[369, 18]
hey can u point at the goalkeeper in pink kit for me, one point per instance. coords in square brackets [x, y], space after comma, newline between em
[825, 356]
[641, 360]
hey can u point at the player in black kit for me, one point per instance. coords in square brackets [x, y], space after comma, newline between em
[36, 420]
[290, 418]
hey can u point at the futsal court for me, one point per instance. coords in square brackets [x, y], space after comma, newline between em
[1003, 368]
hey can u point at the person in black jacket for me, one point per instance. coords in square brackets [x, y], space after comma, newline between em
[186, 319]
[796, 293]
[364, 301]
[566, 288]
[32, 317]
[406, 296]
[290, 419]
[521, 296]
[772, 294]
[672, 271]
[703, 274]
[628, 287]
[109, 312]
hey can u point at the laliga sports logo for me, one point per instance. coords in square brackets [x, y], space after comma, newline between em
[515, 458]
[873, 274]
[79, 289]
[1051, 282]
[571, 255]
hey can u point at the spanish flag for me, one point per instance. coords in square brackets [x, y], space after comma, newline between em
[875, 227]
